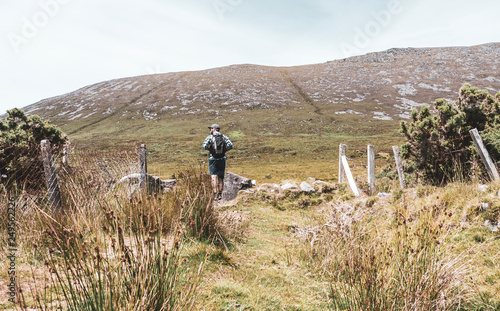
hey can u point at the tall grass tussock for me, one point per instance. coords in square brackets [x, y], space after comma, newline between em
[403, 255]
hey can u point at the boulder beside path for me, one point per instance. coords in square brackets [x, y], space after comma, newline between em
[234, 183]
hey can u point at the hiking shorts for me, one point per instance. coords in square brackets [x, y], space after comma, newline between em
[217, 167]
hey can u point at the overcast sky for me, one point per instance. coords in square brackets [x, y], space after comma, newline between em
[51, 47]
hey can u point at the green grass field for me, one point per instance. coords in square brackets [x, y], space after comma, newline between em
[264, 149]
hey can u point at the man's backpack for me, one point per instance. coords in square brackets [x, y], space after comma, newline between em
[218, 147]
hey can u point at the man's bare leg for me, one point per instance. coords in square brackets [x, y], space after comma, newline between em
[214, 184]
[221, 184]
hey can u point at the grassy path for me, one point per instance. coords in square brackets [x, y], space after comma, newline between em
[265, 271]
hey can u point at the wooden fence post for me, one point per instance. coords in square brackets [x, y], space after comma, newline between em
[65, 159]
[352, 183]
[50, 176]
[399, 167]
[143, 165]
[342, 148]
[371, 169]
[485, 156]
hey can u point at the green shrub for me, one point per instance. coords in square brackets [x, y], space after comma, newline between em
[439, 147]
[20, 161]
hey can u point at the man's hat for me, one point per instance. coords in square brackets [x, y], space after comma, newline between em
[214, 126]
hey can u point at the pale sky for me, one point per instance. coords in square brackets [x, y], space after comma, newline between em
[52, 47]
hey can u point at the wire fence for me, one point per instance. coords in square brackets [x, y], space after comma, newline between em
[357, 157]
[21, 167]
[88, 175]
[81, 176]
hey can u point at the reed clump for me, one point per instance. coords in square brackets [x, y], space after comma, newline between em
[116, 251]
[396, 259]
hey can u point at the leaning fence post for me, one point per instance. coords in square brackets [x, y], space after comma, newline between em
[399, 167]
[50, 176]
[371, 168]
[143, 165]
[352, 183]
[342, 148]
[485, 156]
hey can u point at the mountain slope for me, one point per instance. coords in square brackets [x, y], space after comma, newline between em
[383, 85]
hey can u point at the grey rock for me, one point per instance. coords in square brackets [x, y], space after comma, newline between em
[484, 206]
[168, 183]
[320, 182]
[270, 187]
[482, 188]
[234, 183]
[383, 195]
[154, 183]
[306, 187]
[311, 179]
[254, 183]
[493, 226]
[289, 186]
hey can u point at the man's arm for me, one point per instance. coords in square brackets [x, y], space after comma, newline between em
[207, 142]
[229, 144]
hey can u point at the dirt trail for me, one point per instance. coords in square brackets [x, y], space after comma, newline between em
[265, 272]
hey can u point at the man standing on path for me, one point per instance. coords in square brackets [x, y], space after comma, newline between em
[217, 144]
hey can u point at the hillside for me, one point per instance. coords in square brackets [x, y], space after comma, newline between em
[357, 100]
[380, 86]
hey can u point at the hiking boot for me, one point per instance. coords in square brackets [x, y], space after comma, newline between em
[219, 196]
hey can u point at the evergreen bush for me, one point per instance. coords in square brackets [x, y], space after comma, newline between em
[440, 148]
[20, 160]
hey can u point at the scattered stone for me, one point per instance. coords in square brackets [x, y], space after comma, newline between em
[498, 193]
[154, 183]
[270, 187]
[484, 206]
[254, 183]
[383, 195]
[289, 186]
[168, 183]
[482, 188]
[320, 182]
[493, 227]
[234, 183]
[311, 179]
[306, 187]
